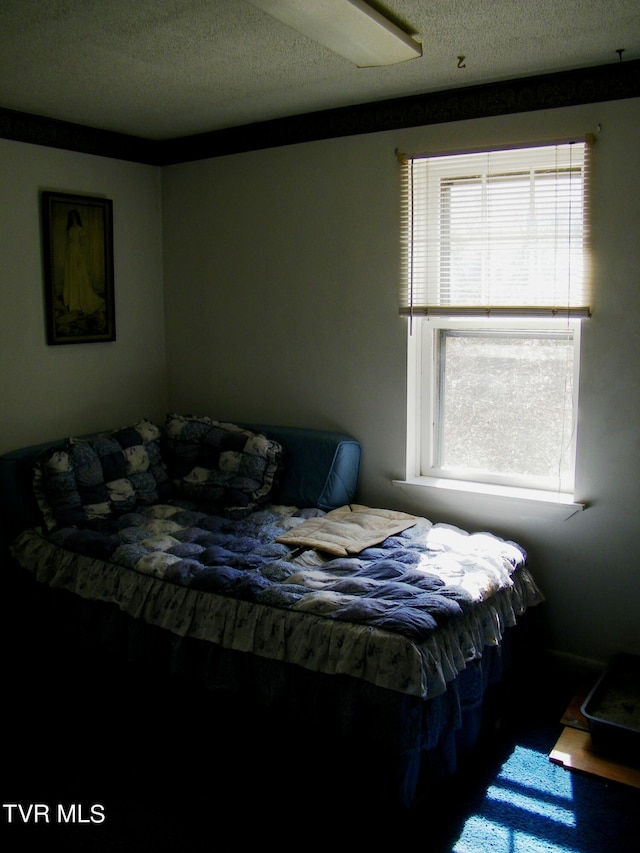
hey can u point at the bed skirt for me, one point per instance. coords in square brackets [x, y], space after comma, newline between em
[394, 743]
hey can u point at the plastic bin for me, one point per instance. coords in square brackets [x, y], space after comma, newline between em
[612, 709]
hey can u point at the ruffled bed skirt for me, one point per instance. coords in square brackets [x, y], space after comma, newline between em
[396, 746]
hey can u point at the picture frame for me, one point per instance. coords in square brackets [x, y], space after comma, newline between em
[78, 268]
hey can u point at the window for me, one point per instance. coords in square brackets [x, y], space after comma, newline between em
[495, 286]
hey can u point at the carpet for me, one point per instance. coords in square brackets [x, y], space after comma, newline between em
[518, 801]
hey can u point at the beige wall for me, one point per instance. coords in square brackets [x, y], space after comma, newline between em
[52, 391]
[280, 275]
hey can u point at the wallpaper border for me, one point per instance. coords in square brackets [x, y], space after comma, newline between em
[614, 81]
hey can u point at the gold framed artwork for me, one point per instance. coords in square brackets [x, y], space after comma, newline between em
[78, 268]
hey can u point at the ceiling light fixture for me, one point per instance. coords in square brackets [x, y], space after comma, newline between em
[350, 28]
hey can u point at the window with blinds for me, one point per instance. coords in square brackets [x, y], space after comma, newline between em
[496, 232]
[495, 279]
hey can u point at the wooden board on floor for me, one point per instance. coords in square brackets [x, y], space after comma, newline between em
[573, 715]
[574, 751]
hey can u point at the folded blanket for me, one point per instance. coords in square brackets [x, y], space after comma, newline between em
[348, 530]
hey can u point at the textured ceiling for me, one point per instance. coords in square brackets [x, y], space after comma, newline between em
[162, 69]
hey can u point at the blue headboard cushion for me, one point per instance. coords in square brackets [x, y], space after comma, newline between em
[321, 469]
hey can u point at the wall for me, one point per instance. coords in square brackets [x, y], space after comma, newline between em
[280, 276]
[52, 391]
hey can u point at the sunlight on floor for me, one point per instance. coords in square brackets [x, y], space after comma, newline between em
[527, 809]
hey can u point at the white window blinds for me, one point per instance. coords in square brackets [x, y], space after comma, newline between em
[496, 232]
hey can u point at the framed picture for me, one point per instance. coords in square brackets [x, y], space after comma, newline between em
[78, 268]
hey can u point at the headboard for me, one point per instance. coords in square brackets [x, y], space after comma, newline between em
[321, 469]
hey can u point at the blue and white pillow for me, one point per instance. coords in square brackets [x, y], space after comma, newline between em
[221, 465]
[87, 479]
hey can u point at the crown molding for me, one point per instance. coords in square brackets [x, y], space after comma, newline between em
[610, 82]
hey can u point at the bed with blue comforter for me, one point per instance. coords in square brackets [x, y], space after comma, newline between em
[248, 540]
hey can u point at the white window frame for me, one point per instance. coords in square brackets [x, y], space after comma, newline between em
[521, 496]
[424, 409]
[533, 494]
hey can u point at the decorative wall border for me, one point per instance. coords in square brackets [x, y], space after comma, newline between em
[610, 82]
[52, 133]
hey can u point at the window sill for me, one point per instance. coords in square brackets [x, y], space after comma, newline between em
[522, 502]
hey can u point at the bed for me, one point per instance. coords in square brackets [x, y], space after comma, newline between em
[245, 547]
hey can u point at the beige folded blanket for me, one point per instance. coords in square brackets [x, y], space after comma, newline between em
[348, 530]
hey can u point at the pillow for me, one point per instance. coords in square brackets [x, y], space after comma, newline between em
[86, 479]
[228, 468]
